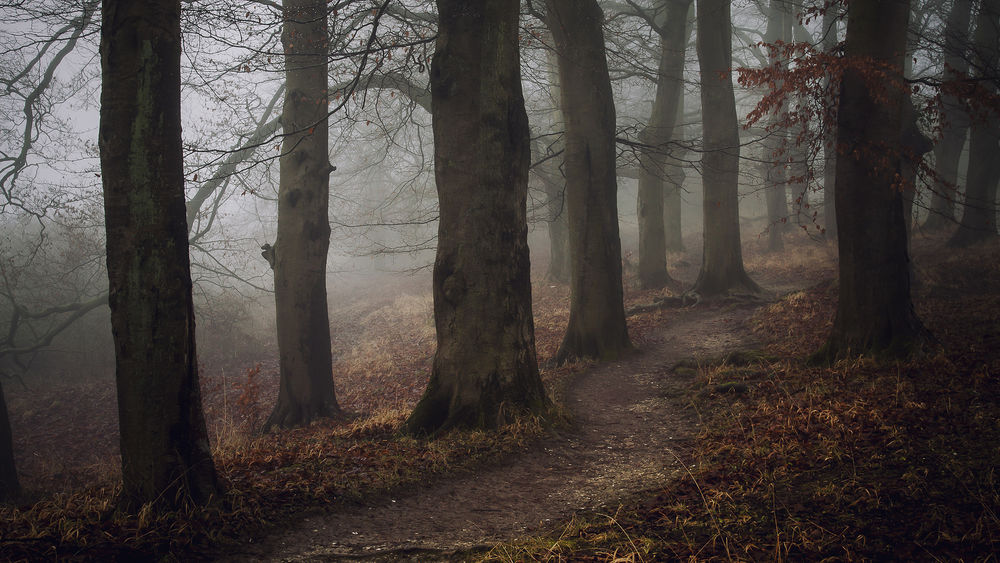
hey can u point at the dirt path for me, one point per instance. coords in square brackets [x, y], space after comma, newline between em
[628, 434]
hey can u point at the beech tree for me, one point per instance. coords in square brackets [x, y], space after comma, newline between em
[300, 251]
[164, 445]
[955, 120]
[485, 368]
[829, 44]
[10, 487]
[779, 28]
[722, 271]
[597, 314]
[553, 180]
[979, 213]
[653, 174]
[875, 314]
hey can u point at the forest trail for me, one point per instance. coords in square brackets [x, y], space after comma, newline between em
[629, 433]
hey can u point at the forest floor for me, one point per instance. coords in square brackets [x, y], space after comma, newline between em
[680, 451]
[629, 432]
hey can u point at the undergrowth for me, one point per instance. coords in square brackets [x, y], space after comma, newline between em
[857, 461]
[384, 352]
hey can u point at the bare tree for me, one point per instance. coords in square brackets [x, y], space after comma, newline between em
[164, 444]
[300, 251]
[875, 315]
[722, 270]
[597, 315]
[979, 214]
[485, 368]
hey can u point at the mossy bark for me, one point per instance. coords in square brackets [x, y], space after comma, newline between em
[875, 315]
[305, 390]
[597, 314]
[722, 270]
[164, 445]
[485, 368]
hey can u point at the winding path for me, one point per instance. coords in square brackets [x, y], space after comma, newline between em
[629, 435]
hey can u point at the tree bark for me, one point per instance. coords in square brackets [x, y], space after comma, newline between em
[305, 390]
[979, 215]
[485, 368]
[555, 182]
[722, 270]
[555, 203]
[164, 445]
[875, 315]
[10, 487]
[597, 314]
[954, 122]
[779, 28]
[829, 137]
[674, 188]
[654, 152]
[676, 170]
[914, 145]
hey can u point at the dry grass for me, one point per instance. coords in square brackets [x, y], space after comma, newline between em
[856, 461]
[383, 348]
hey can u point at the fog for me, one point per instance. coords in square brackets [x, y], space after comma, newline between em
[383, 204]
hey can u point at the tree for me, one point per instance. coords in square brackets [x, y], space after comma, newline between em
[300, 252]
[875, 315]
[955, 121]
[553, 180]
[653, 152]
[485, 368]
[10, 487]
[979, 215]
[722, 270]
[164, 444]
[674, 180]
[829, 44]
[597, 314]
[779, 29]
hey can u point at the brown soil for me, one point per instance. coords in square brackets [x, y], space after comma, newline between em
[629, 434]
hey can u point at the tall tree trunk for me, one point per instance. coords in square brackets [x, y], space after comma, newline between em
[979, 215]
[164, 444]
[676, 169]
[306, 387]
[829, 43]
[874, 313]
[722, 270]
[914, 144]
[653, 154]
[799, 157]
[597, 314]
[955, 121]
[675, 175]
[555, 202]
[555, 182]
[10, 487]
[485, 367]
[779, 28]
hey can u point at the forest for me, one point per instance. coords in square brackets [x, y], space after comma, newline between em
[503, 280]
